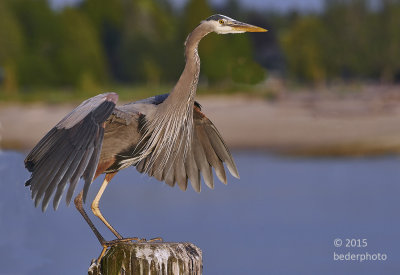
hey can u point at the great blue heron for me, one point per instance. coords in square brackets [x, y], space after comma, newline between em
[166, 136]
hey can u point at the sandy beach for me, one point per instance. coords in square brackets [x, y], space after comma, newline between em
[301, 123]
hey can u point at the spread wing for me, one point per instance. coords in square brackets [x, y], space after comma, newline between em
[208, 151]
[69, 151]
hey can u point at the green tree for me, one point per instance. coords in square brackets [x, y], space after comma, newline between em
[107, 17]
[11, 48]
[348, 24]
[347, 40]
[81, 58]
[387, 39]
[41, 29]
[304, 50]
[148, 51]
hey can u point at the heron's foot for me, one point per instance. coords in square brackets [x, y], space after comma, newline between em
[108, 244]
[123, 240]
[156, 239]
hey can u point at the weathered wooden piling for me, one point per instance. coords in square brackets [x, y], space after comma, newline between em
[150, 259]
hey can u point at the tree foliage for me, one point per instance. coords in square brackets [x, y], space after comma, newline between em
[81, 56]
[124, 41]
[141, 42]
[348, 40]
[11, 47]
[304, 49]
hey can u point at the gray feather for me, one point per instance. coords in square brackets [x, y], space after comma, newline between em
[140, 166]
[74, 179]
[157, 171]
[212, 157]
[221, 149]
[74, 170]
[40, 183]
[73, 162]
[43, 168]
[92, 165]
[65, 153]
[58, 179]
[202, 163]
[168, 174]
[180, 174]
[170, 178]
[193, 171]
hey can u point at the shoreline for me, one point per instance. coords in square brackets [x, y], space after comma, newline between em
[304, 124]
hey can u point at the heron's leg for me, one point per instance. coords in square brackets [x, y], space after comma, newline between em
[96, 211]
[79, 205]
[95, 204]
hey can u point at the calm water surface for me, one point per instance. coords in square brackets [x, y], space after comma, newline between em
[281, 217]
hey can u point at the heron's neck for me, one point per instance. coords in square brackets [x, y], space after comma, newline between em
[169, 131]
[185, 89]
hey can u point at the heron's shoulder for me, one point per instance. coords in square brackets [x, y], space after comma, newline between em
[143, 107]
[133, 110]
[158, 99]
[154, 100]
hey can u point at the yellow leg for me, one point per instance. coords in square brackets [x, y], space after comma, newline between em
[95, 205]
[96, 211]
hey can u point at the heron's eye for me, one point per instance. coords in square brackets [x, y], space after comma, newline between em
[221, 21]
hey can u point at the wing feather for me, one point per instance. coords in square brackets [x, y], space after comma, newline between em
[192, 171]
[202, 163]
[74, 179]
[180, 173]
[60, 178]
[69, 151]
[208, 151]
[221, 149]
[46, 173]
[74, 167]
[211, 156]
[168, 175]
[88, 175]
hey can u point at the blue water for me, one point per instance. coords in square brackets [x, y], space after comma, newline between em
[281, 217]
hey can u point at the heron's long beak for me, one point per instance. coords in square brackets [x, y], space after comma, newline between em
[239, 26]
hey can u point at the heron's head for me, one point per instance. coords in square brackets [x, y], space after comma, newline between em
[222, 24]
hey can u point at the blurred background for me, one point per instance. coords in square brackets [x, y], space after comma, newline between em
[311, 110]
[338, 61]
[83, 46]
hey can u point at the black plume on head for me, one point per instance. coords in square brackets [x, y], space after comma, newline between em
[216, 17]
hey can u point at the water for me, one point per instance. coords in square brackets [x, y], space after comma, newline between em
[280, 218]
